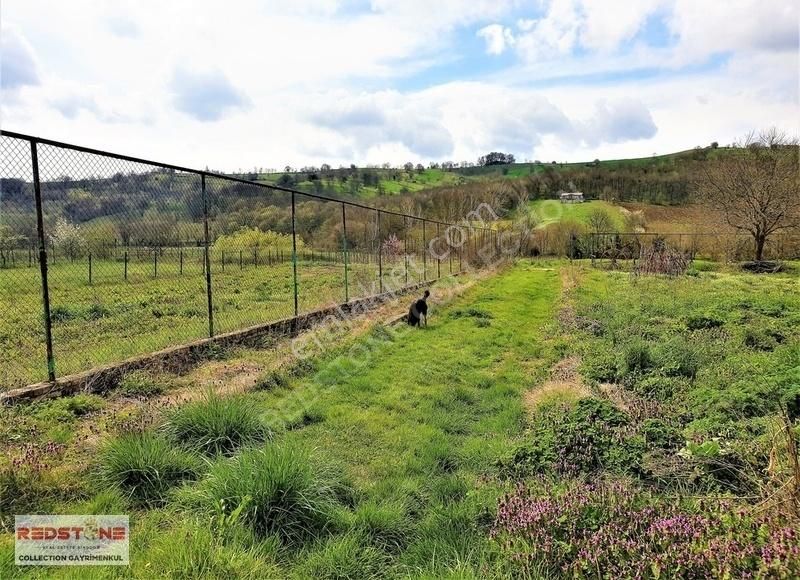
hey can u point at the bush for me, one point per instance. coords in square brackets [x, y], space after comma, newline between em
[589, 437]
[659, 434]
[145, 466]
[216, 425]
[659, 388]
[283, 493]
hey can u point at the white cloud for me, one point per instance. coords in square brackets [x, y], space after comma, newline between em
[18, 65]
[497, 38]
[320, 80]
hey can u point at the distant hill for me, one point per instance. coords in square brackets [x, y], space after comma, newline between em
[662, 179]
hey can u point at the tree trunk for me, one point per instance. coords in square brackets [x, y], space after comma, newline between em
[760, 240]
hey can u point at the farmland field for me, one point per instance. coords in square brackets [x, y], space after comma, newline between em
[554, 419]
[163, 305]
[550, 211]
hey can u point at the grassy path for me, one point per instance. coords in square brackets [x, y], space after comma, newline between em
[414, 420]
[421, 417]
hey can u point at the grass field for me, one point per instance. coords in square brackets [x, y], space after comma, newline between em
[550, 211]
[553, 420]
[403, 183]
[113, 318]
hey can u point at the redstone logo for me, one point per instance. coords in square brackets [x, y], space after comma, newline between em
[76, 533]
[71, 540]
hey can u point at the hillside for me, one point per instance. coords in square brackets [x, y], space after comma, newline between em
[655, 179]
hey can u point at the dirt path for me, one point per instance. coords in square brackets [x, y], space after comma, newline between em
[564, 382]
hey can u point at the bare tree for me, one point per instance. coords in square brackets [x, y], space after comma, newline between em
[755, 186]
[599, 221]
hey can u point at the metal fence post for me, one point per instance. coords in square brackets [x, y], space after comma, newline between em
[380, 256]
[294, 254]
[48, 322]
[344, 247]
[438, 256]
[405, 245]
[207, 257]
[424, 254]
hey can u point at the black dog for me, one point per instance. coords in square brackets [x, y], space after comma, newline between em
[419, 311]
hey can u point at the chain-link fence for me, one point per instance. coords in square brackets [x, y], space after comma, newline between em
[719, 247]
[105, 256]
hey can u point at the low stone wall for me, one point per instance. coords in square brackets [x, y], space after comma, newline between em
[183, 357]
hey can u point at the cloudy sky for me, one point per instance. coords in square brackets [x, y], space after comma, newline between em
[248, 83]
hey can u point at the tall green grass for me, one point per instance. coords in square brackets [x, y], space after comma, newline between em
[282, 490]
[145, 466]
[217, 425]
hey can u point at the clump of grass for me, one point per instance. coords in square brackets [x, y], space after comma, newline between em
[305, 418]
[676, 358]
[279, 378]
[192, 550]
[272, 380]
[97, 311]
[140, 384]
[67, 408]
[702, 322]
[386, 525]
[282, 492]
[345, 556]
[471, 312]
[145, 466]
[635, 358]
[762, 339]
[216, 425]
[61, 313]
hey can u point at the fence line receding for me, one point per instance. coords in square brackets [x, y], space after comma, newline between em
[106, 256]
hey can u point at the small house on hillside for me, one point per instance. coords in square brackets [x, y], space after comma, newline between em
[571, 197]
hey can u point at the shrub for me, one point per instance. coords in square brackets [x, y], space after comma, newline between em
[145, 466]
[659, 434]
[283, 491]
[140, 384]
[216, 425]
[658, 387]
[586, 438]
[599, 365]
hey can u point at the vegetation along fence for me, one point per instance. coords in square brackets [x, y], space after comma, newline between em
[106, 256]
[714, 246]
[721, 247]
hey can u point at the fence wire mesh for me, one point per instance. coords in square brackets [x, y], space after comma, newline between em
[141, 256]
